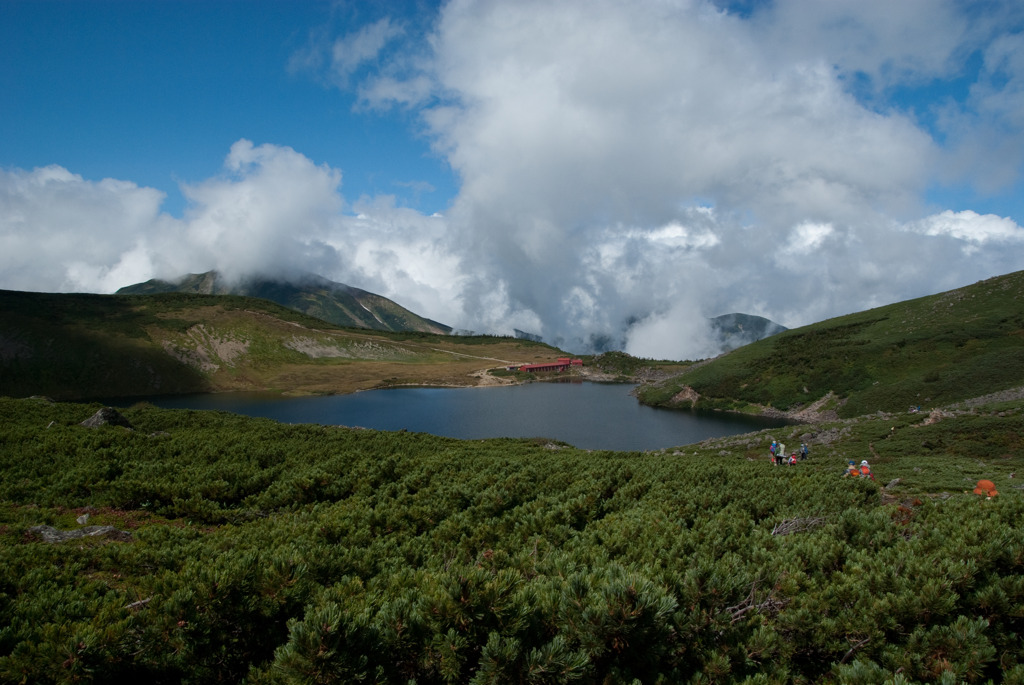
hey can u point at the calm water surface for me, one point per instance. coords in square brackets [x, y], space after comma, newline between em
[586, 415]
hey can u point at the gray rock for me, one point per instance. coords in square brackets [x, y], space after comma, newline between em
[107, 416]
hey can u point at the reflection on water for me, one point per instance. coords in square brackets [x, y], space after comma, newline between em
[586, 415]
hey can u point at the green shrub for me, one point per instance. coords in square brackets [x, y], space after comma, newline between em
[273, 553]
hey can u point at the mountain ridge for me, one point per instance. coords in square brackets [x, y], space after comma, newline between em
[336, 303]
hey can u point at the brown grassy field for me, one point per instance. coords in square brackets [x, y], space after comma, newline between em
[441, 362]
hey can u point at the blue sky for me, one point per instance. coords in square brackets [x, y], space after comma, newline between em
[584, 170]
[157, 91]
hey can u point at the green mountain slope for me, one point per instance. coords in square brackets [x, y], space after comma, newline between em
[924, 352]
[72, 346]
[335, 303]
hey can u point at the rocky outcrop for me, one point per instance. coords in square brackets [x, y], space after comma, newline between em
[817, 412]
[207, 350]
[687, 394]
[107, 416]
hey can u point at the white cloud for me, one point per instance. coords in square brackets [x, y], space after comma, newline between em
[972, 230]
[388, 91]
[674, 334]
[271, 211]
[806, 238]
[60, 232]
[628, 170]
[587, 132]
[402, 254]
[337, 61]
[352, 51]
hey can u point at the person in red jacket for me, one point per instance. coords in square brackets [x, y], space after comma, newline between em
[865, 470]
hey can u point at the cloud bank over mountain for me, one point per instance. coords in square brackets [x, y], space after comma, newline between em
[627, 171]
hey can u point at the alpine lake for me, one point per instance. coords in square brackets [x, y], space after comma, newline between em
[587, 415]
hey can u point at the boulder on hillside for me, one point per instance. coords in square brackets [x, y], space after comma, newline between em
[107, 416]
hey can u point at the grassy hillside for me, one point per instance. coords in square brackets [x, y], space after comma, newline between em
[924, 352]
[257, 552]
[336, 303]
[83, 346]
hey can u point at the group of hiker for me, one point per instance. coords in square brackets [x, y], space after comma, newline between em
[778, 454]
[779, 458]
[864, 471]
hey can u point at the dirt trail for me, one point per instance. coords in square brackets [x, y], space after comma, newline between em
[473, 356]
[813, 413]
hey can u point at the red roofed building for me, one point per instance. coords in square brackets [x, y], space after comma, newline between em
[560, 365]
